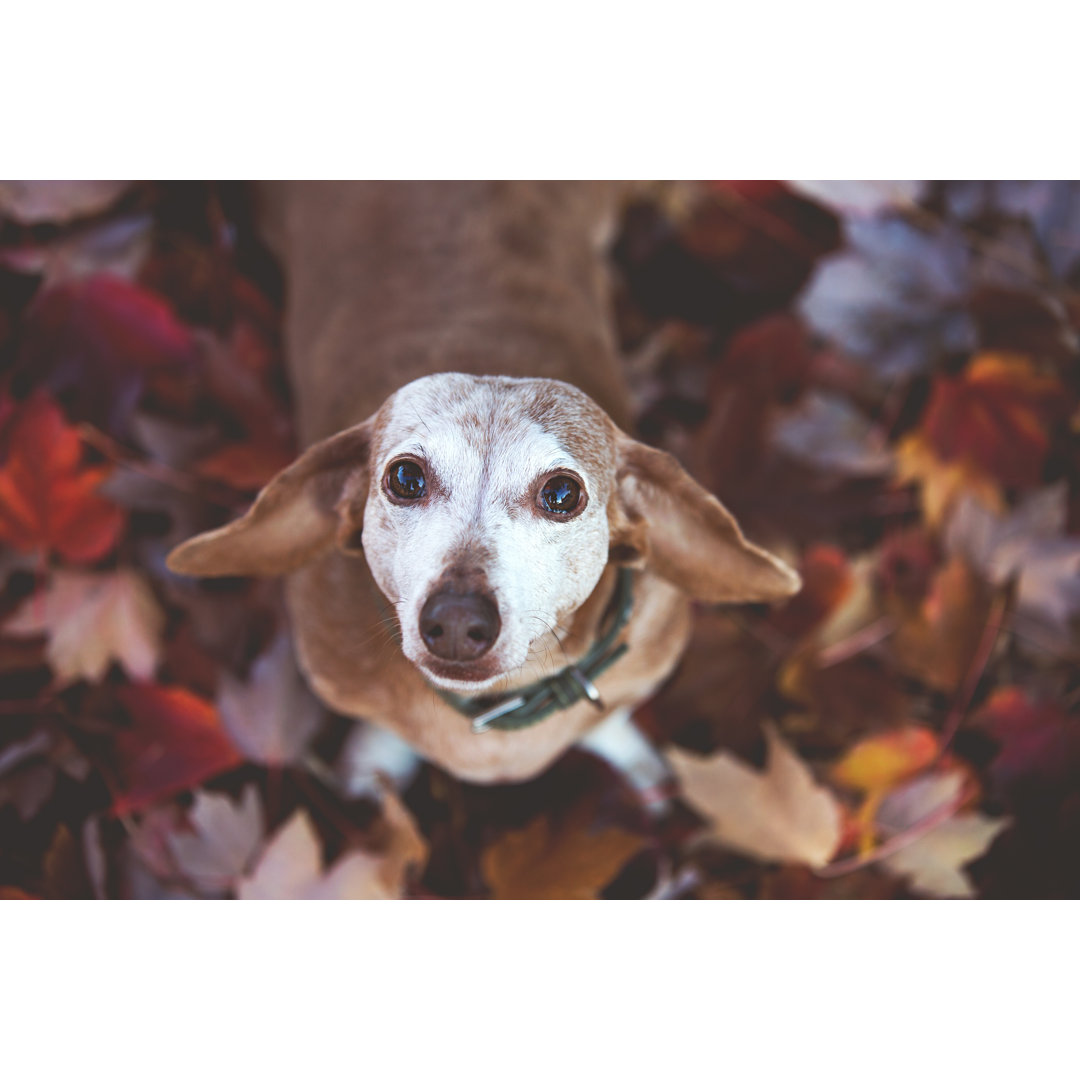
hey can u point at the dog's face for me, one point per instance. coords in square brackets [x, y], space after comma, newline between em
[486, 518]
[487, 509]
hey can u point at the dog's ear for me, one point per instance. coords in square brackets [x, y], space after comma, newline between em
[297, 516]
[666, 521]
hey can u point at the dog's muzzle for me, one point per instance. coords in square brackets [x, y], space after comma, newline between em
[459, 626]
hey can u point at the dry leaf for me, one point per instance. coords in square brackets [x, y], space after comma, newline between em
[865, 197]
[879, 762]
[780, 814]
[92, 620]
[273, 715]
[933, 862]
[290, 868]
[32, 202]
[936, 640]
[223, 840]
[544, 862]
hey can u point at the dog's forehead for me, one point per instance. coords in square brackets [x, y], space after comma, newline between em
[517, 427]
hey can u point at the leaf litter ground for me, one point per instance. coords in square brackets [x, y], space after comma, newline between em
[880, 379]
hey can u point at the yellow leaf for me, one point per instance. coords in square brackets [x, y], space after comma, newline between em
[880, 762]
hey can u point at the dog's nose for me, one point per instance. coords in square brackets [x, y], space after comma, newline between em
[459, 626]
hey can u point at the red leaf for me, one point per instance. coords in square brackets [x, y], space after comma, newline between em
[827, 582]
[47, 499]
[1040, 742]
[175, 743]
[102, 335]
[996, 415]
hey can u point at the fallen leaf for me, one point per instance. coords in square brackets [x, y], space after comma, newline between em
[997, 415]
[942, 483]
[544, 861]
[98, 338]
[896, 298]
[934, 863]
[174, 743]
[827, 432]
[880, 762]
[1039, 744]
[290, 868]
[33, 202]
[780, 814]
[92, 620]
[866, 197]
[1029, 546]
[48, 499]
[246, 466]
[271, 717]
[936, 639]
[223, 839]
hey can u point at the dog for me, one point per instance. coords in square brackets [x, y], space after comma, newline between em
[468, 479]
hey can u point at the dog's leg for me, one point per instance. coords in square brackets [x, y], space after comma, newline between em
[619, 742]
[372, 751]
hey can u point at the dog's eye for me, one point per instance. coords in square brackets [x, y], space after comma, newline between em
[405, 479]
[560, 495]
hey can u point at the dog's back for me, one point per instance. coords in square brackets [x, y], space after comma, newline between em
[390, 281]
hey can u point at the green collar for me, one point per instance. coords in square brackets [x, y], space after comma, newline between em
[540, 699]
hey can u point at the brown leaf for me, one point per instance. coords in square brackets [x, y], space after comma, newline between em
[545, 861]
[936, 640]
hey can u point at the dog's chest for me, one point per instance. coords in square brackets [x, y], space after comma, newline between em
[347, 646]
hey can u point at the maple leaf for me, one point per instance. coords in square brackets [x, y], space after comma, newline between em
[48, 499]
[32, 202]
[271, 717]
[1040, 743]
[866, 197]
[548, 862]
[222, 841]
[290, 868]
[933, 861]
[996, 415]
[100, 336]
[895, 298]
[941, 483]
[827, 432]
[1029, 546]
[937, 638]
[780, 814]
[92, 620]
[880, 762]
[175, 742]
[246, 466]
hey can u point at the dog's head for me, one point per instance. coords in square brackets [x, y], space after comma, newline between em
[487, 509]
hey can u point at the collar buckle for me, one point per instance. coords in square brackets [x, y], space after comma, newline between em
[481, 723]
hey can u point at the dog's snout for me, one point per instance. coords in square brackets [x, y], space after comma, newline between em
[459, 626]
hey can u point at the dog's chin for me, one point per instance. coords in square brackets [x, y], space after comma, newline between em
[461, 678]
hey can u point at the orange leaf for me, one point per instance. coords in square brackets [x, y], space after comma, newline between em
[880, 762]
[47, 499]
[996, 416]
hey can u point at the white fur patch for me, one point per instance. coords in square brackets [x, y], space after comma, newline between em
[484, 452]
